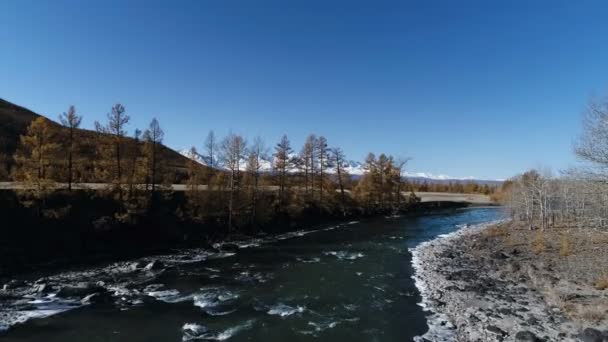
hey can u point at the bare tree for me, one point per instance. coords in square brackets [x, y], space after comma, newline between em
[339, 163]
[210, 156]
[153, 136]
[282, 163]
[323, 158]
[233, 152]
[115, 129]
[258, 154]
[71, 121]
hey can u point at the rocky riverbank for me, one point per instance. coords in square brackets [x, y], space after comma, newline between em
[491, 282]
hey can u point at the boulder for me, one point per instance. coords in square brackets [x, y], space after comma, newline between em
[229, 247]
[496, 330]
[80, 290]
[154, 266]
[13, 284]
[526, 336]
[593, 335]
[98, 298]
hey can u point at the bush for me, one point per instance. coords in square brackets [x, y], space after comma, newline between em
[539, 244]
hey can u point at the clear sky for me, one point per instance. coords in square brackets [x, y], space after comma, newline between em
[484, 89]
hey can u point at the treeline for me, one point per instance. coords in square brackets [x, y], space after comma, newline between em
[577, 197]
[468, 187]
[229, 181]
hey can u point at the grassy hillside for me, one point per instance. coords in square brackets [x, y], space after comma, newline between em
[15, 119]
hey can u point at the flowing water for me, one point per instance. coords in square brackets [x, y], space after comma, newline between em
[350, 282]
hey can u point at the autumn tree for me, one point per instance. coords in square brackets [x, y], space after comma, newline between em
[399, 170]
[233, 151]
[35, 158]
[71, 121]
[112, 147]
[307, 162]
[153, 138]
[342, 176]
[193, 169]
[258, 154]
[135, 162]
[322, 159]
[282, 164]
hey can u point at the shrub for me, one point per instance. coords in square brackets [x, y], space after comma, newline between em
[539, 244]
[565, 247]
[602, 283]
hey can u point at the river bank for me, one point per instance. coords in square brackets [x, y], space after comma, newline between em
[501, 282]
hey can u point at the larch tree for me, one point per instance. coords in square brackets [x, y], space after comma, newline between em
[282, 164]
[134, 162]
[153, 138]
[210, 156]
[233, 151]
[258, 154]
[339, 163]
[71, 121]
[115, 132]
[399, 167]
[193, 168]
[323, 159]
[307, 158]
[35, 158]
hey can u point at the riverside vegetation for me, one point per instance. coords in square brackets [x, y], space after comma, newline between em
[103, 193]
[543, 274]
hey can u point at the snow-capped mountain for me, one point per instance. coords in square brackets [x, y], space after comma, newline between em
[355, 169]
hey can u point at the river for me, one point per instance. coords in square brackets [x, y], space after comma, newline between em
[350, 282]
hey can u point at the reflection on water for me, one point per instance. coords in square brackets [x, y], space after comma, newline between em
[350, 282]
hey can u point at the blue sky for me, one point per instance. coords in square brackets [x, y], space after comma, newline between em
[465, 88]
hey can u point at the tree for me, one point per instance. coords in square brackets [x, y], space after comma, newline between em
[134, 167]
[233, 151]
[193, 167]
[307, 158]
[71, 121]
[399, 167]
[153, 137]
[210, 151]
[323, 158]
[35, 158]
[115, 132]
[339, 163]
[282, 163]
[257, 155]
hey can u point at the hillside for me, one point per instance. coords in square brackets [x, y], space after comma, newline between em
[15, 119]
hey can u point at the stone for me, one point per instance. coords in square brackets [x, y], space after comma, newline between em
[154, 266]
[526, 336]
[13, 284]
[496, 330]
[592, 335]
[79, 291]
[97, 298]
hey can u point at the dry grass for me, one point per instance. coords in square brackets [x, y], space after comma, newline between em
[565, 247]
[592, 313]
[602, 283]
[496, 231]
[539, 244]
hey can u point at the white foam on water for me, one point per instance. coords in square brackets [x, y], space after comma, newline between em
[284, 310]
[42, 307]
[342, 255]
[193, 331]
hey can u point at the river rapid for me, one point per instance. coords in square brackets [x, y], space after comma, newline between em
[349, 282]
